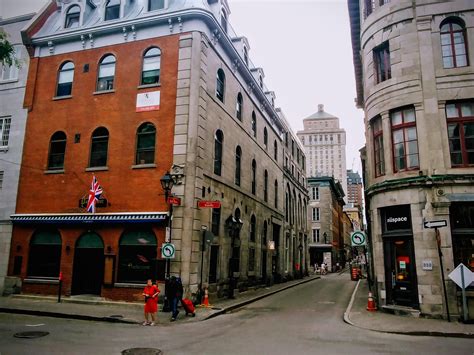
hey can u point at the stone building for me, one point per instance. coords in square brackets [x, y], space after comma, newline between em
[328, 222]
[126, 91]
[12, 130]
[413, 65]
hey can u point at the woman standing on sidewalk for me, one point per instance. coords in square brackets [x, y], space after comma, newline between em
[150, 292]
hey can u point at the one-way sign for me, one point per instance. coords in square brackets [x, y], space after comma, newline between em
[436, 224]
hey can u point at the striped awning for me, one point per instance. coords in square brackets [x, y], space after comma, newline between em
[87, 218]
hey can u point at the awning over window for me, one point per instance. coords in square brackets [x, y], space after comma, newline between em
[90, 240]
[138, 239]
[87, 218]
[46, 238]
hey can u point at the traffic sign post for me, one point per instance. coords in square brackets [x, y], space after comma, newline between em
[358, 239]
[168, 251]
[462, 277]
[435, 224]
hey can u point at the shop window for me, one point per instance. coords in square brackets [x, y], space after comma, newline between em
[44, 255]
[218, 151]
[57, 151]
[99, 147]
[112, 10]
[105, 80]
[65, 79]
[138, 258]
[404, 139]
[151, 66]
[460, 117]
[146, 136]
[453, 43]
[462, 225]
[72, 17]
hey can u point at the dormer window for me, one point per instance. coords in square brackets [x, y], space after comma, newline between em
[72, 17]
[112, 10]
[156, 5]
[224, 20]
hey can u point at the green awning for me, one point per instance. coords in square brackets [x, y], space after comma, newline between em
[46, 238]
[138, 238]
[90, 240]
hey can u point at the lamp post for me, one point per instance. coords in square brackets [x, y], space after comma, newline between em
[325, 236]
[203, 248]
[167, 183]
[234, 224]
[300, 247]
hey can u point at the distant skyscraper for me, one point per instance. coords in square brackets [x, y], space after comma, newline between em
[325, 146]
[354, 188]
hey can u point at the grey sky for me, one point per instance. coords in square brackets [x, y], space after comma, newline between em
[304, 48]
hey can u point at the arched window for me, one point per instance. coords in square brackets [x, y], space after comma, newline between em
[44, 254]
[218, 146]
[224, 20]
[57, 151]
[73, 15]
[254, 176]
[112, 10]
[156, 5]
[453, 43]
[151, 66]
[265, 137]
[239, 106]
[238, 164]
[220, 85]
[254, 124]
[65, 79]
[146, 136]
[275, 193]
[275, 150]
[99, 147]
[105, 80]
[265, 186]
[137, 257]
[253, 228]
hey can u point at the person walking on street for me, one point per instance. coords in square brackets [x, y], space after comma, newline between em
[150, 292]
[175, 295]
[323, 268]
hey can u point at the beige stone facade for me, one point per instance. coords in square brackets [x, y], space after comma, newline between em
[417, 95]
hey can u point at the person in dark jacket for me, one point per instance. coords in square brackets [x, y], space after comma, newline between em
[175, 294]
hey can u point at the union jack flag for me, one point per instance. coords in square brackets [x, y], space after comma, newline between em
[94, 194]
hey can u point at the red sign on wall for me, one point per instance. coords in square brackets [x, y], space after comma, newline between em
[175, 201]
[209, 204]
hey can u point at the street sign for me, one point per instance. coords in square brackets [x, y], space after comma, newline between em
[175, 201]
[358, 239]
[168, 251]
[456, 276]
[209, 204]
[436, 224]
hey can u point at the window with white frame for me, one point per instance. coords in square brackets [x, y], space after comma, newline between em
[315, 193]
[10, 72]
[4, 131]
[315, 213]
[315, 235]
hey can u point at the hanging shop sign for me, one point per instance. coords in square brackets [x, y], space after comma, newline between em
[209, 204]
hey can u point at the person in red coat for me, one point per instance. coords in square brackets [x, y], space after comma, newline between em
[150, 292]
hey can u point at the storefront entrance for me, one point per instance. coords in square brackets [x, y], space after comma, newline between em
[88, 269]
[400, 272]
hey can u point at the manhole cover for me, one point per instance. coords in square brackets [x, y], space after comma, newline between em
[30, 335]
[142, 351]
[118, 316]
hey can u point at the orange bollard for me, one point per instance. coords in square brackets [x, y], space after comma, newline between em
[371, 307]
[205, 303]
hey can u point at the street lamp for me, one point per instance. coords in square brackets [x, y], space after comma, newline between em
[234, 225]
[167, 183]
[300, 247]
[325, 236]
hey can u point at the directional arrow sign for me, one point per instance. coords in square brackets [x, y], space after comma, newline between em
[168, 251]
[436, 224]
[358, 239]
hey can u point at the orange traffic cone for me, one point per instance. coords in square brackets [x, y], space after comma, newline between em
[371, 303]
[205, 302]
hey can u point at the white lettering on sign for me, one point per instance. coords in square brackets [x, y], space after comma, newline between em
[397, 219]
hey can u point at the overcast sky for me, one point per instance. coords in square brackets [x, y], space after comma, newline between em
[304, 48]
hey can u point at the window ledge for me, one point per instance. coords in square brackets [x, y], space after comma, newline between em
[129, 285]
[59, 171]
[4, 149]
[57, 98]
[148, 86]
[143, 166]
[44, 280]
[9, 81]
[103, 92]
[98, 168]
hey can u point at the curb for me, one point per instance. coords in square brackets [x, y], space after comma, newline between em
[347, 320]
[257, 298]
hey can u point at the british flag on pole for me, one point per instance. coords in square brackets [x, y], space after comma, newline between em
[94, 194]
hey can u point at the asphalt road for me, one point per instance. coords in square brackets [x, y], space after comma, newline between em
[306, 319]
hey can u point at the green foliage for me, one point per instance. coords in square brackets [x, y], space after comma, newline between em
[7, 51]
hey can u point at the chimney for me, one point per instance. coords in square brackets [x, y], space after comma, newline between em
[320, 108]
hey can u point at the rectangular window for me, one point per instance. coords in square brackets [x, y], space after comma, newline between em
[368, 7]
[4, 131]
[460, 117]
[382, 63]
[316, 235]
[378, 146]
[315, 193]
[383, 2]
[10, 72]
[404, 139]
[1, 179]
[316, 214]
[216, 220]
[156, 5]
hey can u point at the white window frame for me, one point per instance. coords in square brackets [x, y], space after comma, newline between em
[5, 127]
[13, 70]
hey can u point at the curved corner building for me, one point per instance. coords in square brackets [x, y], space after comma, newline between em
[413, 64]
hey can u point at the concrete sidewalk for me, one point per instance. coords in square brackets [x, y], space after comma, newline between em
[357, 315]
[129, 312]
